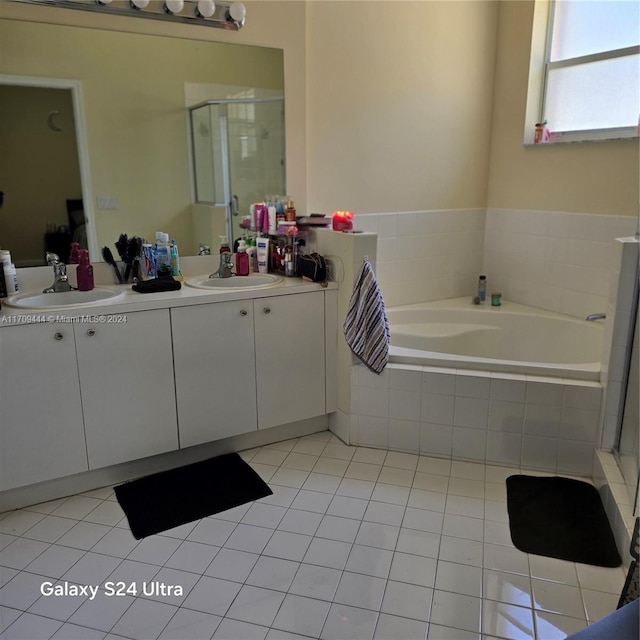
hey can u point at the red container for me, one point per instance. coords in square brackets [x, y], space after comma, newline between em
[342, 220]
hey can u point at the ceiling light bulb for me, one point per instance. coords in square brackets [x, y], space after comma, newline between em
[174, 6]
[139, 4]
[236, 12]
[205, 8]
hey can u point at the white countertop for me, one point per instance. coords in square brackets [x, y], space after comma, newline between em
[132, 301]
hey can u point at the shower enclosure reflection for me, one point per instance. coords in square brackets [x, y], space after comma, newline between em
[238, 154]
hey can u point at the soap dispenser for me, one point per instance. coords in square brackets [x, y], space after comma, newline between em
[242, 259]
[84, 271]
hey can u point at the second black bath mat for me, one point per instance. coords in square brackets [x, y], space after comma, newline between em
[167, 499]
[560, 518]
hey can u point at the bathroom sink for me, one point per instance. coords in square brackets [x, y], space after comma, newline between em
[62, 299]
[254, 281]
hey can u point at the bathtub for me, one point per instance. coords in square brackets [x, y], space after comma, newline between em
[511, 338]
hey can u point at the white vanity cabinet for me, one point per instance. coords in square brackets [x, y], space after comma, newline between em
[248, 364]
[290, 358]
[125, 366]
[214, 362]
[41, 428]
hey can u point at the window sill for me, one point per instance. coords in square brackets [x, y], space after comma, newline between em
[592, 135]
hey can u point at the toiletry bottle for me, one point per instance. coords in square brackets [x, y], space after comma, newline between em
[482, 288]
[11, 279]
[290, 211]
[251, 252]
[242, 259]
[175, 259]
[224, 244]
[74, 258]
[163, 251]
[262, 252]
[273, 223]
[84, 271]
[149, 269]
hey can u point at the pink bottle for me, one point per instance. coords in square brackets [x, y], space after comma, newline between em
[84, 271]
[242, 260]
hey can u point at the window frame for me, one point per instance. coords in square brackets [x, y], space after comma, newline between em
[580, 135]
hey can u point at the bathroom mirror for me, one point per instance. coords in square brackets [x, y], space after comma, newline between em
[134, 92]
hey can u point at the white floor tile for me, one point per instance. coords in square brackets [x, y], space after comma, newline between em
[507, 621]
[256, 605]
[288, 546]
[238, 630]
[22, 551]
[55, 561]
[455, 610]
[144, 620]
[419, 570]
[273, 573]
[358, 590]
[212, 595]
[187, 624]
[315, 582]
[354, 542]
[32, 627]
[192, 556]
[349, 623]
[304, 616]
[230, 564]
[399, 628]
[407, 600]
[50, 528]
[336, 528]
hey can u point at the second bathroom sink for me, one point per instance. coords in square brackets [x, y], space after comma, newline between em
[254, 281]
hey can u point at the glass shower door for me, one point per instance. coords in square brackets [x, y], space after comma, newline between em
[239, 155]
[255, 136]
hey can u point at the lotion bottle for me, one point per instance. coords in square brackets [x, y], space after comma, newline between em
[263, 255]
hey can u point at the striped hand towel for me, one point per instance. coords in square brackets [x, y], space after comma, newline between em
[366, 327]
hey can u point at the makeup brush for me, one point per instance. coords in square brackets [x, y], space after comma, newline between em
[108, 258]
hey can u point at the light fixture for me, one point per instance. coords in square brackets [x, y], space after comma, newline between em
[236, 12]
[222, 15]
[205, 8]
[173, 6]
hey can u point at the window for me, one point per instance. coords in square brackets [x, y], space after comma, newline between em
[592, 68]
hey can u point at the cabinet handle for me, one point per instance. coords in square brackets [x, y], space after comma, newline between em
[91, 332]
[266, 310]
[243, 312]
[58, 335]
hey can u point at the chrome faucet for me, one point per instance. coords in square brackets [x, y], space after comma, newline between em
[596, 316]
[60, 279]
[224, 270]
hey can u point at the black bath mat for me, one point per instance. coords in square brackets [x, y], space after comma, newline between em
[560, 518]
[170, 498]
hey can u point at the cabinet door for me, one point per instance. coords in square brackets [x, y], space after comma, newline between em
[290, 362]
[41, 432]
[126, 381]
[213, 350]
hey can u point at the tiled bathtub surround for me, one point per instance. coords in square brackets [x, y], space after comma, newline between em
[549, 259]
[553, 260]
[549, 424]
[426, 255]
